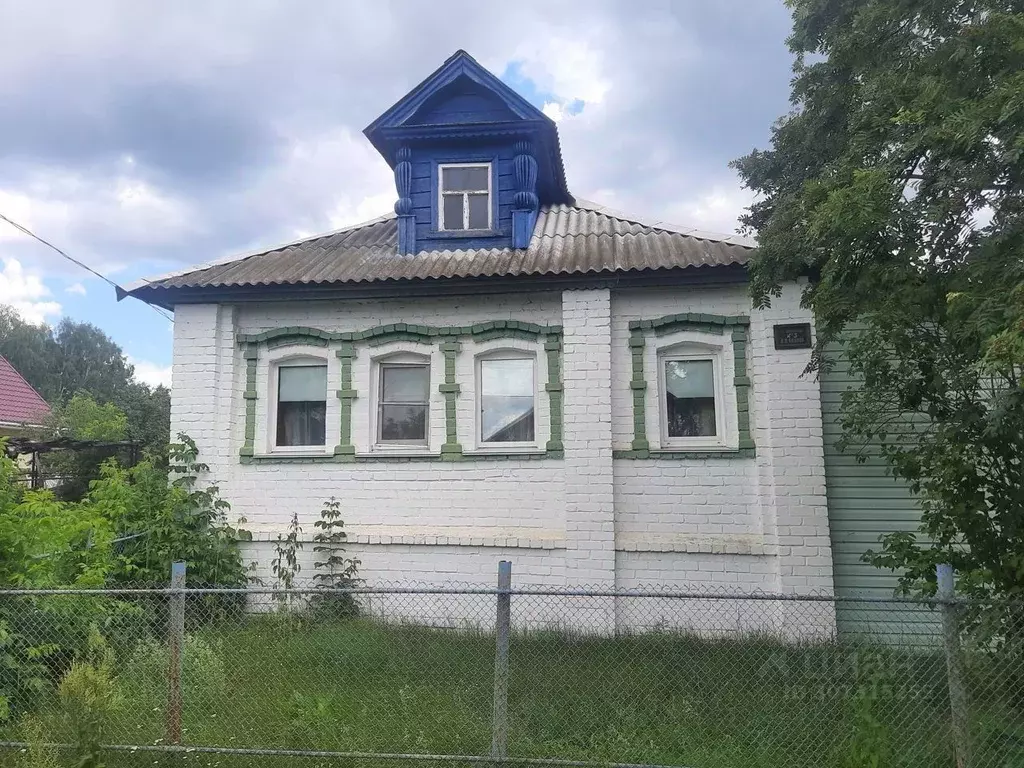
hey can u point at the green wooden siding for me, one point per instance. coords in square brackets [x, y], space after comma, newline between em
[863, 503]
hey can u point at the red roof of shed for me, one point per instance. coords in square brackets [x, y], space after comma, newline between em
[19, 403]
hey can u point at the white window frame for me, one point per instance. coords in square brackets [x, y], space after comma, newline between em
[411, 359]
[478, 424]
[465, 197]
[296, 360]
[686, 353]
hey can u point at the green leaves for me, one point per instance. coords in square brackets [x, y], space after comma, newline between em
[334, 569]
[897, 184]
[79, 358]
[84, 419]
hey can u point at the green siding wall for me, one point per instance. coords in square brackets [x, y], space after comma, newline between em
[863, 503]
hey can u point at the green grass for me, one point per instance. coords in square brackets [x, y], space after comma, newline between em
[656, 698]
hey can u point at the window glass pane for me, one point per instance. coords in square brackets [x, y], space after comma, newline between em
[404, 383]
[478, 210]
[302, 383]
[301, 423]
[464, 179]
[506, 419]
[690, 398]
[506, 401]
[507, 377]
[690, 378]
[404, 423]
[452, 213]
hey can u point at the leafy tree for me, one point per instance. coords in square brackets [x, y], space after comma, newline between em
[76, 358]
[895, 184]
[31, 350]
[89, 361]
[83, 418]
[148, 411]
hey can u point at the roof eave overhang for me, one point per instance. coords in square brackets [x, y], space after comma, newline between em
[20, 425]
[388, 140]
[168, 298]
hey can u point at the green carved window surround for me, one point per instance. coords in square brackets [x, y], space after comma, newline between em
[448, 340]
[639, 332]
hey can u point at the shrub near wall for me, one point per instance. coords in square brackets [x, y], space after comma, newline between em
[128, 529]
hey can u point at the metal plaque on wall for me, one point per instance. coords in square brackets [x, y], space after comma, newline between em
[793, 336]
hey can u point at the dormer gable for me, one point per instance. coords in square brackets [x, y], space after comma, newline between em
[473, 161]
[464, 100]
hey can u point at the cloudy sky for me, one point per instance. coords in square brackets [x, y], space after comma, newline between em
[142, 137]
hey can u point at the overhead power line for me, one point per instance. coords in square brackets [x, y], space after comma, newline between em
[73, 260]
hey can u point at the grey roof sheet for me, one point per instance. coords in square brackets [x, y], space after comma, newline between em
[567, 240]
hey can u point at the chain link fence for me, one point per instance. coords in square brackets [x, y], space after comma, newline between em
[382, 675]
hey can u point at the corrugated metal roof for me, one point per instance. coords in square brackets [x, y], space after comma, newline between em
[567, 240]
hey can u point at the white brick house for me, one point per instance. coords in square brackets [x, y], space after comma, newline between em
[500, 371]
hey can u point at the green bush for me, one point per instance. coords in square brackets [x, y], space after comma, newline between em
[204, 678]
[172, 516]
[40, 752]
[88, 696]
[129, 528]
[334, 569]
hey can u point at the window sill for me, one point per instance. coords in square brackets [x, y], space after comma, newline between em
[406, 452]
[286, 452]
[288, 457]
[456, 234]
[686, 453]
[521, 451]
[696, 445]
[365, 458]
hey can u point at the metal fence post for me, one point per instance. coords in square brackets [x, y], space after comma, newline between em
[499, 729]
[954, 665]
[176, 648]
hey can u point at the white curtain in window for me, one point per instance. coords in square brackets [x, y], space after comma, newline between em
[302, 383]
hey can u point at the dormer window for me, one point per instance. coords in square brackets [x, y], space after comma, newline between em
[465, 197]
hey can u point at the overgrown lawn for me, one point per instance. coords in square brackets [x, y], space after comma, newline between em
[655, 698]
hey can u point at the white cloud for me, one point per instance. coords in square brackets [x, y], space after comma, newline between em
[26, 293]
[668, 97]
[81, 213]
[323, 181]
[553, 110]
[715, 211]
[345, 214]
[151, 373]
[76, 288]
[571, 67]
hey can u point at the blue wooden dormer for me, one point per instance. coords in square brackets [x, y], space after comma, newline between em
[473, 161]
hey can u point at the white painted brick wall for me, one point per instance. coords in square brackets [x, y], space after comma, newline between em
[790, 457]
[204, 403]
[702, 497]
[589, 481]
[587, 519]
[771, 504]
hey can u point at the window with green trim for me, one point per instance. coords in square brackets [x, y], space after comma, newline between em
[695, 394]
[690, 404]
[507, 384]
[301, 419]
[403, 403]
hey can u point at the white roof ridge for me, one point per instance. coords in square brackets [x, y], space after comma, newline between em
[665, 226]
[143, 281]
